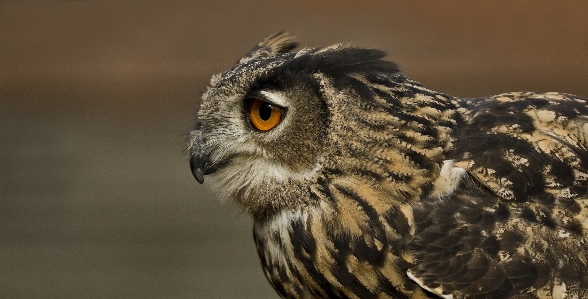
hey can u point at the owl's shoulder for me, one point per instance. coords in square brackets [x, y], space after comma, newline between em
[525, 146]
[515, 218]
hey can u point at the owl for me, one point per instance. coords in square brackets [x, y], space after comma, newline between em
[363, 183]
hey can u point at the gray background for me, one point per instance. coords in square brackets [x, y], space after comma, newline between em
[96, 197]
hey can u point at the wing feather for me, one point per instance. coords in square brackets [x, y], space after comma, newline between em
[515, 223]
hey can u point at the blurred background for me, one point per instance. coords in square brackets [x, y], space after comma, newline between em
[96, 98]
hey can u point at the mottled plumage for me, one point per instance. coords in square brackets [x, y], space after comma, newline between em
[374, 186]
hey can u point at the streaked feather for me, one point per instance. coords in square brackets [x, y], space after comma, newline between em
[375, 186]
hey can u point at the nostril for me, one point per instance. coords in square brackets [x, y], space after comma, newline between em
[197, 125]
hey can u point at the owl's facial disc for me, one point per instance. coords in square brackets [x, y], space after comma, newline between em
[215, 143]
[251, 141]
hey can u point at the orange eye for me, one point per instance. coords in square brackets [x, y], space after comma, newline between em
[264, 116]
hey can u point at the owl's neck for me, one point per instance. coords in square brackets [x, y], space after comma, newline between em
[308, 253]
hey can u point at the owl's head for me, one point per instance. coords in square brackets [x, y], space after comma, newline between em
[271, 126]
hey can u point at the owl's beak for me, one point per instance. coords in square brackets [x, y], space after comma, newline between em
[196, 171]
[196, 159]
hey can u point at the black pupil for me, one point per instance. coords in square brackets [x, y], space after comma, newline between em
[265, 111]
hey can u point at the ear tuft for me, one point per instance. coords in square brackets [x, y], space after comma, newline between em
[275, 44]
[279, 43]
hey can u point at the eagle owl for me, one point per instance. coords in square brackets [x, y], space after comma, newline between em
[363, 183]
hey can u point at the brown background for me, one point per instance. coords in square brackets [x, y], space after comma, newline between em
[96, 197]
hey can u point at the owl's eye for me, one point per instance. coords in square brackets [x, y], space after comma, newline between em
[264, 116]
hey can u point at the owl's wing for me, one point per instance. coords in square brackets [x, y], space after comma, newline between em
[457, 248]
[517, 221]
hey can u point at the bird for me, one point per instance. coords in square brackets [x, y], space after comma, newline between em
[363, 183]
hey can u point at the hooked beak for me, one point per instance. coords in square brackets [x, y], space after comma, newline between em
[196, 158]
[196, 170]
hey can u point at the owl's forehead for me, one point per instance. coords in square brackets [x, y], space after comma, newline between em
[245, 73]
[231, 86]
